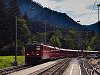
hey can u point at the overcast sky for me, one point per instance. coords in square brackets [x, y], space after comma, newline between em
[76, 9]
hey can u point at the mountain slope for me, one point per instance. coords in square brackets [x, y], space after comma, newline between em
[38, 13]
[94, 27]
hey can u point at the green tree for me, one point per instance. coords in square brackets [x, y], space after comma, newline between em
[2, 23]
[2, 10]
[89, 48]
[58, 34]
[24, 33]
[40, 37]
[52, 41]
[55, 41]
[14, 8]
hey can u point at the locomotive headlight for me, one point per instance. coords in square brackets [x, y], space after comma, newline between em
[27, 54]
[37, 54]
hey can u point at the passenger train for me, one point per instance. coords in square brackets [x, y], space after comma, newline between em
[37, 53]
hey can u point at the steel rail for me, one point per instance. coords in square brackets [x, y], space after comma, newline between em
[13, 69]
[51, 69]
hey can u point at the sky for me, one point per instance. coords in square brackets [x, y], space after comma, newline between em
[84, 11]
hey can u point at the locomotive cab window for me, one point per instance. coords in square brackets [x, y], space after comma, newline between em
[29, 47]
[38, 47]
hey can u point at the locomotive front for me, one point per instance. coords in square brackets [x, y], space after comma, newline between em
[33, 54]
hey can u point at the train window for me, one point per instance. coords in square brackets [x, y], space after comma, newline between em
[51, 50]
[38, 47]
[29, 47]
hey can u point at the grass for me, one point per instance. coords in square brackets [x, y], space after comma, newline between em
[7, 61]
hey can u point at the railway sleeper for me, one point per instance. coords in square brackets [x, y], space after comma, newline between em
[54, 68]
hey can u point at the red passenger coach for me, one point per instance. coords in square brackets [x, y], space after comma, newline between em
[68, 53]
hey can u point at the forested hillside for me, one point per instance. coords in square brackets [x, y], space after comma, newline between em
[10, 15]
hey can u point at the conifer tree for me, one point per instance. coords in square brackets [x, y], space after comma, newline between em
[14, 8]
[2, 18]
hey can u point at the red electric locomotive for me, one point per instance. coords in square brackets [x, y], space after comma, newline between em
[33, 53]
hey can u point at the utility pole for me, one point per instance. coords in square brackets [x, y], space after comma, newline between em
[98, 11]
[15, 62]
[98, 34]
[45, 30]
[78, 42]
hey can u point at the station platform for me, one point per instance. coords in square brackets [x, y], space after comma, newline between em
[32, 69]
[73, 68]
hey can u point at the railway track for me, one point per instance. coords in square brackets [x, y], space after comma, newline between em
[13, 69]
[83, 70]
[96, 70]
[87, 68]
[56, 69]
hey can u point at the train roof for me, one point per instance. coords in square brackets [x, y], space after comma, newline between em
[42, 45]
[51, 46]
[62, 48]
[69, 50]
[79, 50]
[90, 51]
